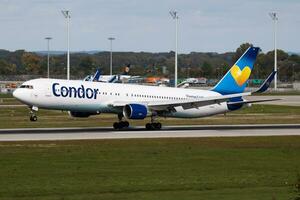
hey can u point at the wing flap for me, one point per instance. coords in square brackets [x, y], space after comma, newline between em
[251, 101]
[193, 103]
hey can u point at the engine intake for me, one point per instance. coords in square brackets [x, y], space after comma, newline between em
[135, 111]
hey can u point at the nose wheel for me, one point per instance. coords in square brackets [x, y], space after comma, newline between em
[33, 118]
[32, 113]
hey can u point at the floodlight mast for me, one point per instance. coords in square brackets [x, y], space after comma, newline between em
[48, 55]
[274, 17]
[174, 15]
[66, 14]
[111, 40]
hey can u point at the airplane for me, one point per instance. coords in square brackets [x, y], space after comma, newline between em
[85, 98]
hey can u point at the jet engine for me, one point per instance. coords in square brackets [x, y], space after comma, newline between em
[135, 111]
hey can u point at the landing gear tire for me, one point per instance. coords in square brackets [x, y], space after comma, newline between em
[126, 124]
[121, 124]
[116, 125]
[153, 126]
[32, 113]
[149, 126]
[157, 125]
[33, 118]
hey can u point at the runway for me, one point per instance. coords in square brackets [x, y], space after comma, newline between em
[287, 100]
[55, 134]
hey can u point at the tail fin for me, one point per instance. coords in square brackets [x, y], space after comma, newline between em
[97, 75]
[236, 78]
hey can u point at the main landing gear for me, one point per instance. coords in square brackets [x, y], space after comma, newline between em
[32, 113]
[121, 124]
[153, 125]
[125, 124]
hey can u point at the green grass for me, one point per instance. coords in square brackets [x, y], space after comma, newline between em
[9, 101]
[18, 117]
[207, 168]
[2, 95]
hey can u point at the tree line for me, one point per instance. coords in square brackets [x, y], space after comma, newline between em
[195, 64]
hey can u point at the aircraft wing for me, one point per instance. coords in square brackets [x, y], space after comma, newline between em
[251, 101]
[194, 103]
[186, 104]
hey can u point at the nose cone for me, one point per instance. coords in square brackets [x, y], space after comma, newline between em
[21, 95]
[16, 94]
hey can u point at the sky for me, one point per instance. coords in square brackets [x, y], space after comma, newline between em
[146, 25]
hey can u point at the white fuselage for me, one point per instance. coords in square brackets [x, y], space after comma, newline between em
[84, 96]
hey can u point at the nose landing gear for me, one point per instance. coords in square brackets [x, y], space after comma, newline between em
[32, 113]
[33, 118]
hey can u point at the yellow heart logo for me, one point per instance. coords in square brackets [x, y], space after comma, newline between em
[239, 76]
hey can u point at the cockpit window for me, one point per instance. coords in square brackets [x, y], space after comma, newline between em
[26, 86]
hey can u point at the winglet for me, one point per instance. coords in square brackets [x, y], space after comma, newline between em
[266, 84]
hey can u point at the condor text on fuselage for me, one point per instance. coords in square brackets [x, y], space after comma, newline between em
[80, 92]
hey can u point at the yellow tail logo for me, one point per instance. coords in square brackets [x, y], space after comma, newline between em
[240, 76]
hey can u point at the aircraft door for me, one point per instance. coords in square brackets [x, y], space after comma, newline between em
[48, 92]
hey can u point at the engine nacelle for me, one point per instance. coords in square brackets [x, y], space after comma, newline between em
[82, 114]
[135, 111]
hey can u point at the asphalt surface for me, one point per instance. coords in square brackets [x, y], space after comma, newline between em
[288, 100]
[139, 132]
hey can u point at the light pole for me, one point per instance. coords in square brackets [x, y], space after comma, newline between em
[111, 40]
[274, 17]
[66, 14]
[174, 15]
[48, 55]
[293, 73]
